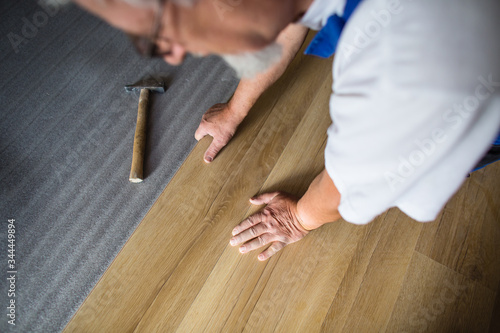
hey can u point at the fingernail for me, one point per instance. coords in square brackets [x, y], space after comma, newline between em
[209, 159]
[234, 232]
[261, 257]
[232, 242]
[242, 249]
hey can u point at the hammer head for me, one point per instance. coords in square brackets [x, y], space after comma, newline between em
[150, 84]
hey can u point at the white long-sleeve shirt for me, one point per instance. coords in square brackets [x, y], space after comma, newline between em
[415, 102]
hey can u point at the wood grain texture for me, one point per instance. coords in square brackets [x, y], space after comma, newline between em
[137, 168]
[178, 273]
[434, 298]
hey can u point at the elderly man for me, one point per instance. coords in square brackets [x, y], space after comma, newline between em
[415, 102]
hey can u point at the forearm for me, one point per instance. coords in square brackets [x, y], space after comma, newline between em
[319, 205]
[249, 90]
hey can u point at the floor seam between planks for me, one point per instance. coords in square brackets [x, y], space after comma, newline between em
[401, 287]
[467, 278]
[198, 293]
[241, 290]
[170, 275]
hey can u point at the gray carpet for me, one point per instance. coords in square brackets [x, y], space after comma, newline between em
[66, 134]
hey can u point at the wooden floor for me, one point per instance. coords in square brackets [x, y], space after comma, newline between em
[178, 273]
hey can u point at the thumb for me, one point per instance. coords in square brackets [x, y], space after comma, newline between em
[212, 151]
[200, 133]
[263, 198]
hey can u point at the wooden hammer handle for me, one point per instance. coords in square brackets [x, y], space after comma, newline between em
[136, 171]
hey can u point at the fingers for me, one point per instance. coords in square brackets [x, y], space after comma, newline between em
[264, 198]
[204, 128]
[247, 223]
[255, 243]
[271, 250]
[214, 147]
[255, 231]
[213, 150]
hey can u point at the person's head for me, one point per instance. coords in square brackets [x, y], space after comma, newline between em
[234, 29]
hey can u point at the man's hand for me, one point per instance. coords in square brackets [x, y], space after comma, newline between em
[221, 120]
[286, 219]
[220, 123]
[277, 224]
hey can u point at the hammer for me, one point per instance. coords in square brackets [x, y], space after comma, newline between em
[145, 86]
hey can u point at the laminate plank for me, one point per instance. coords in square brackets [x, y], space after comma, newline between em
[495, 315]
[435, 298]
[342, 303]
[466, 236]
[322, 271]
[384, 275]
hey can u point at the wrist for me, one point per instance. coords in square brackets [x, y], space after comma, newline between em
[238, 110]
[305, 218]
[319, 205]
